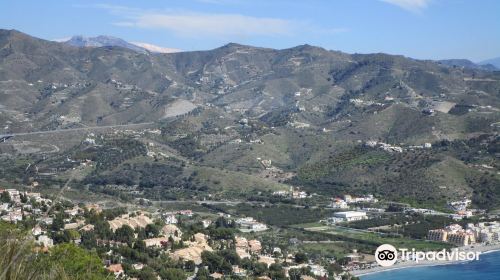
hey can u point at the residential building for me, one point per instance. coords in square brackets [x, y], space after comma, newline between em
[439, 235]
[250, 224]
[171, 219]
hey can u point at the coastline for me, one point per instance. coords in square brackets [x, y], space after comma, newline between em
[483, 249]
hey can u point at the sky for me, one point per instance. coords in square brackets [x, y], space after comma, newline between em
[422, 29]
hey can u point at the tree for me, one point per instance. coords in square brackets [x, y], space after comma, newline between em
[124, 234]
[147, 273]
[5, 197]
[212, 260]
[300, 257]
[73, 234]
[88, 239]
[260, 269]
[172, 274]
[203, 274]
[189, 266]
[23, 197]
[61, 237]
[58, 222]
[222, 233]
[230, 256]
[152, 230]
[276, 272]
[140, 246]
[296, 273]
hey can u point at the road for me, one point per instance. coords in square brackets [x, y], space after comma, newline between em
[74, 129]
[212, 202]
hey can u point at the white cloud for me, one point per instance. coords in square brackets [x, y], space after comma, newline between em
[196, 24]
[410, 5]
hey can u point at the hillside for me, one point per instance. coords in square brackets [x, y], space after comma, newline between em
[210, 118]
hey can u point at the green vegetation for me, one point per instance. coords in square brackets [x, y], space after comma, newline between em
[280, 214]
[373, 240]
[20, 260]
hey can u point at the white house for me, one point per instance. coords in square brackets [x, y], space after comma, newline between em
[170, 219]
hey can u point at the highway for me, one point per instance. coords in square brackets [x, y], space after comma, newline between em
[9, 135]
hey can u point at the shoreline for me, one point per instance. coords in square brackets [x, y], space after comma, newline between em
[483, 249]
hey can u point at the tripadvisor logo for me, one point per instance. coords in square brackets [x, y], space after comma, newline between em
[387, 255]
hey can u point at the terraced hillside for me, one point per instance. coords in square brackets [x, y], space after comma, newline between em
[271, 118]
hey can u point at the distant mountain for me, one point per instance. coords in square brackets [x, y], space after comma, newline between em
[469, 64]
[102, 41]
[110, 41]
[493, 61]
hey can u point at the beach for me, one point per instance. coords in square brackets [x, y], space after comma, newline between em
[483, 249]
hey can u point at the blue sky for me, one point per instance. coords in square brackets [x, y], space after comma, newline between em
[425, 29]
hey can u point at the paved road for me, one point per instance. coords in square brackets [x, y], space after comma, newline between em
[75, 129]
[212, 202]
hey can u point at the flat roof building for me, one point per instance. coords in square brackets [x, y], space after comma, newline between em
[349, 216]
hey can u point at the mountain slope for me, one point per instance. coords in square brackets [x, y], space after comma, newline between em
[307, 109]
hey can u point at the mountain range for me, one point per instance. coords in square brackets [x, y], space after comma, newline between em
[493, 61]
[110, 41]
[328, 121]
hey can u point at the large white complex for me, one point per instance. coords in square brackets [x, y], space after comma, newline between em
[250, 224]
[347, 216]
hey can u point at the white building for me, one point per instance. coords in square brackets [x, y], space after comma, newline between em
[171, 219]
[339, 204]
[460, 205]
[250, 224]
[349, 216]
[318, 270]
[4, 207]
[206, 223]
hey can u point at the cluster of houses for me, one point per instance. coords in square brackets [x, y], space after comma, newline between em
[485, 232]
[384, 146]
[194, 247]
[339, 203]
[20, 205]
[462, 209]
[394, 148]
[171, 217]
[31, 205]
[294, 193]
[23, 204]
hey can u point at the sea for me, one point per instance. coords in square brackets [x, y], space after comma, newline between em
[486, 268]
